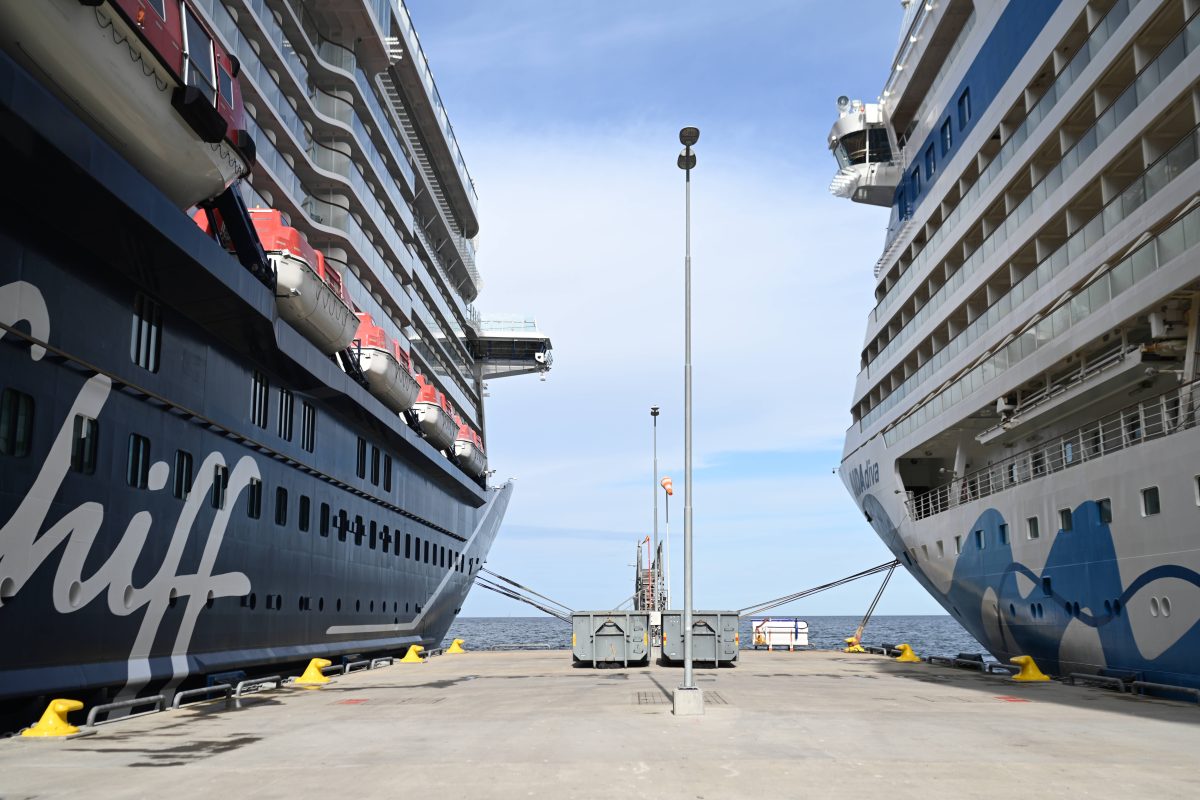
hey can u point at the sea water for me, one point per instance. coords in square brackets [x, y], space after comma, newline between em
[934, 634]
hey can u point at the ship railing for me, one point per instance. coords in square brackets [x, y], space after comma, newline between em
[1135, 424]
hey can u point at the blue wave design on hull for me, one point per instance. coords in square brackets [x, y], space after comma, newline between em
[1083, 573]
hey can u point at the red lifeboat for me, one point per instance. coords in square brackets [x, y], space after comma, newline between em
[150, 73]
[435, 415]
[309, 293]
[468, 451]
[386, 365]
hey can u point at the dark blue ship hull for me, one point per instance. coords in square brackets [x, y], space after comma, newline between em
[161, 524]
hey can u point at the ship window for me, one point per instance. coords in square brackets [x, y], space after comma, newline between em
[964, 108]
[1150, 505]
[145, 334]
[360, 466]
[343, 525]
[375, 465]
[426, 551]
[259, 392]
[1003, 533]
[915, 182]
[1031, 528]
[902, 203]
[137, 469]
[957, 545]
[417, 549]
[16, 423]
[1064, 520]
[407, 545]
[182, 484]
[947, 138]
[360, 530]
[1105, 510]
[200, 56]
[1196, 482]
[225, 86]
[303, 512]
[281, 504]
[159, 8]
[1046, 589]
[308, 427]
[373, 538]
[387, 472]
[220, 484]
[83, 445]
[980, 542]
[930, 163]
[324, 519]
[254, 499]
[443, 559]
[287, 405]
[941, 549]
[870, 145]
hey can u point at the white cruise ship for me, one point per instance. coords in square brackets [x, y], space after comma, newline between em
[1023, 433]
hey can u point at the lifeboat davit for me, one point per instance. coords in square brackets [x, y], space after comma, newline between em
[468, 451]
[435, 415]
[151, 76]
[309, 293]
[386, 365]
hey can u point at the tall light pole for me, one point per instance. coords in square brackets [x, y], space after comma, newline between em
[688, 699]
[657, 567]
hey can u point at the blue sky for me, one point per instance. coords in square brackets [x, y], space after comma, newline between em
[567, 114]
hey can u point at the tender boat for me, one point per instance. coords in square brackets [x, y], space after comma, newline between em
[468, 451]
[309, 293]
[149, 73]
[386, 366]
[435, 415]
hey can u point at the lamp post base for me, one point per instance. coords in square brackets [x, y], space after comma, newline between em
[687, 702]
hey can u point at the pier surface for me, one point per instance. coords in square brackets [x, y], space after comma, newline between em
[527, 724]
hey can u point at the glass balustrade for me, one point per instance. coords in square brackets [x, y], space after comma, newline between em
[1159, 175]
[1096, 40]
[1162, 249]
[1150, 78]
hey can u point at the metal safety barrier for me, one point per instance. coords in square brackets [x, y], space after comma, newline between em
[384, 661]
[332, 668]
[941, 661]
[223, 688]
[996, 668]
[1139, 687]
[1087, 677]
[974, 663]
[158, 700]
[355, 666]
[257, 683]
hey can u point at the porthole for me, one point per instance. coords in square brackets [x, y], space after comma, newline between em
[339, 604]
[208, 602]
[1108, 607]
[1117, 607]
[1012, 610]
[358, 605]
[1166, 606]
[320, 604]
[372, 607]
[1154, 606]
[1075, 608]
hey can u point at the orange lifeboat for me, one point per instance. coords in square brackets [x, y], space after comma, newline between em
[386, 365]
[435, 415]
[309, 293]
[468, 451]
[159, 86]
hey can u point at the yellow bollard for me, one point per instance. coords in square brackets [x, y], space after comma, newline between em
[1029, 669]
[853, 646]
[54, 720]
[413, 656]
[456, 647]
[907, 655]
[313, 678]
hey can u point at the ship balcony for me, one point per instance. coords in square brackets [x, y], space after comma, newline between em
[511, 345]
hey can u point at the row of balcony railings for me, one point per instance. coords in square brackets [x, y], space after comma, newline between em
[1140, 265]
[1100, 34]
[1121, 109]
[1145, 421]
[1161, 173]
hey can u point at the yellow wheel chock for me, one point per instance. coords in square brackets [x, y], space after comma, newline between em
[54, 720]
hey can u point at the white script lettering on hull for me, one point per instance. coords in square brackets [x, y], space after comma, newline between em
[26, 541]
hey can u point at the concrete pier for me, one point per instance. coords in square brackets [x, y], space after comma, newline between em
[814, 724]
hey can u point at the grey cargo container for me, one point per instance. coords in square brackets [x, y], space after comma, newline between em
[714, 636]
[610, 637]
